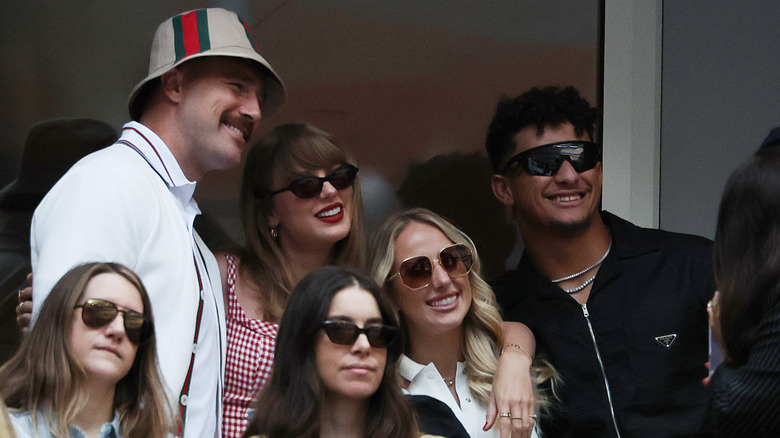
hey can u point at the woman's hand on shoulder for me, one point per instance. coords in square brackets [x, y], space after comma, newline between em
[25, 307]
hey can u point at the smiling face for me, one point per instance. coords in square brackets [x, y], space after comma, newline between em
[351, 371]
[105, 353]
[442, 305]
[566, 201]
[218, 106]
[318, 222]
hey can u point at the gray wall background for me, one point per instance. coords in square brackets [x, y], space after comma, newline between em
[721, 96]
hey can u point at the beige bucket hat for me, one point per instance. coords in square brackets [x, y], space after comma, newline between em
[205, 32]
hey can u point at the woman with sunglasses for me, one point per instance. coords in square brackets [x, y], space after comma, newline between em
[301, 209]
[89, 365]
[338, 341]
[452, 325]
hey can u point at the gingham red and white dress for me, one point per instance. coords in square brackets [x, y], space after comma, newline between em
[250, 357]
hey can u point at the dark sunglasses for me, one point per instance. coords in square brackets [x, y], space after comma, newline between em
[97, 313]
[547, 159]
[346, 333]
[311, 186]
[416, 272]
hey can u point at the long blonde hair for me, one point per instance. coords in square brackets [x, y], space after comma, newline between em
[45, 375]
[482, 326]
[285, 153]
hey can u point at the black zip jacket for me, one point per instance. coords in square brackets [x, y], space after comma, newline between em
[631, 359]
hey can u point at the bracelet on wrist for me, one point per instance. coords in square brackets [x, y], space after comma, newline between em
[522, 350]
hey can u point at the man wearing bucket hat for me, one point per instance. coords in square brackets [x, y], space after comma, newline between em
[132, 202]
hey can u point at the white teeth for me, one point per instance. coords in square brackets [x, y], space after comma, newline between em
[236, 130]
[330, 212]
[566, 198]
[443, 302]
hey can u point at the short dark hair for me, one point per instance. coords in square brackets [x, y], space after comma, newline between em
[539, 107]
[746, 252]
[290, 403]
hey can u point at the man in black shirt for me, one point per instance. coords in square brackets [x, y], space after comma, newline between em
[619, 311]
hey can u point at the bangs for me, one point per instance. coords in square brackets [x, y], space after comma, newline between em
[307, 155]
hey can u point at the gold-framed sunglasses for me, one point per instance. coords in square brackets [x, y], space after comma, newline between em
[416, 272]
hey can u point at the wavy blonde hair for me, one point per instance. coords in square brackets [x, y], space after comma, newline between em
[482, 326]
[44, 373]
[287, 152]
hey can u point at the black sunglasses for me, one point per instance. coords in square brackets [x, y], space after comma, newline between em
[346, 333]
[97, 313]
[311, 186]
[416, 272]
[547, 159]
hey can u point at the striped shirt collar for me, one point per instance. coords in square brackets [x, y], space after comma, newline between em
[156, 153]
[144, 141]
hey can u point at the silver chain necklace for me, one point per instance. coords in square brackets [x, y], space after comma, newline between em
[582, 286]
[588, 269]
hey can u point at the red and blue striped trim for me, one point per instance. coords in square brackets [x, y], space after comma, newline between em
[151, 145]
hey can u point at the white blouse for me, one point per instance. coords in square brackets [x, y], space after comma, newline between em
[426, 380]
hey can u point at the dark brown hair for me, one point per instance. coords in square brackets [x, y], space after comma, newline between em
[746, 252]
[290, 403]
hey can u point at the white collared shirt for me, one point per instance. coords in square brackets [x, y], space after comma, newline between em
[426, 380]
[131, 203]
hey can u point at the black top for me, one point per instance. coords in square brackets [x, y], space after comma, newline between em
[436, 418]
[641, 339]
[14, 267]
[745, 400]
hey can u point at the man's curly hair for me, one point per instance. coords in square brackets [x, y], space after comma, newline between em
[539, 107]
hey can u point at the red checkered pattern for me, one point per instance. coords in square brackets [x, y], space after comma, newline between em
[250, 356]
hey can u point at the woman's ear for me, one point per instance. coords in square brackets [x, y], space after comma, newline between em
[273, 222]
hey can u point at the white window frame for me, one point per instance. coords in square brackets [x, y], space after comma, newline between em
[632, 109]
